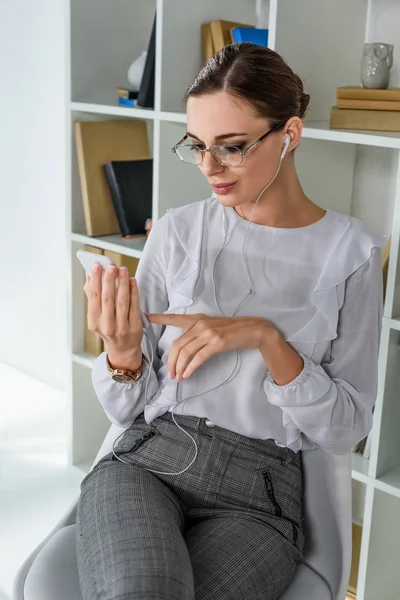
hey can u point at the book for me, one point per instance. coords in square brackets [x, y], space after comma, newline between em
[361, 93]
[207, 41]
[126, 102]
[121, 260]
[373, 120]
[93, 342]
[221, 33]
[98, 142]
[131, 186]
[248, 34]
[368, 104]
[145, 97]
[355, 559]
[127, 93]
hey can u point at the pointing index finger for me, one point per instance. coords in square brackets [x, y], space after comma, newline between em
[183, 321]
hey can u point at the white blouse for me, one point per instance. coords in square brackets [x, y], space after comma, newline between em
[319, 285]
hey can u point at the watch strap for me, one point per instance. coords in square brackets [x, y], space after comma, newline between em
[132, 375]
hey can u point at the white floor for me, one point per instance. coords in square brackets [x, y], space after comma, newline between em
[36, 486]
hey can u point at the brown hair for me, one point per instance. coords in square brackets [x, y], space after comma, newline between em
[256, 75]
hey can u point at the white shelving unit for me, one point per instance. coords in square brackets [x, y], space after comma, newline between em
[105, 37]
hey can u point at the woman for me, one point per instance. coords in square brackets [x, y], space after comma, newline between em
[265, 314]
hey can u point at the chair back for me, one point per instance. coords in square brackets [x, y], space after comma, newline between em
[328, 517]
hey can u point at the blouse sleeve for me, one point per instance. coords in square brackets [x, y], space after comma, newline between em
[123, 402]
[331, 403]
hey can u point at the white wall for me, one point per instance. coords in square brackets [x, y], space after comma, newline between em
[374, 177]
[33, 287]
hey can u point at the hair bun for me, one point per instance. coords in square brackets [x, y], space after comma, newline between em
[304, 100]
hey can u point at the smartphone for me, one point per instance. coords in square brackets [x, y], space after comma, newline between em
[87, 260]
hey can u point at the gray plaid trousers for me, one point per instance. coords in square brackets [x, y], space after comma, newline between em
[228, 528]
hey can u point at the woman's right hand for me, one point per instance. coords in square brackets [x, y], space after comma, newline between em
[114, 313]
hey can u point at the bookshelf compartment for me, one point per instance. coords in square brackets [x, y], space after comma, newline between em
[106, 37]
[313, 51]
[390, 482]
[389, 440]
[77, 211]
[181, 61]
[382, 577]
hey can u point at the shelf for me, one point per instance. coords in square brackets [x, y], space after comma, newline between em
[390, 482]
[394, 324]
[108, 108]
[172, 117]
[116, 111]
[114, 243]
[316, 130]
[359, 467]
[320, 130]
[84, 358]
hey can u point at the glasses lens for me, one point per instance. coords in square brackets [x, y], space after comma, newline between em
[189, 154]
[229, 156]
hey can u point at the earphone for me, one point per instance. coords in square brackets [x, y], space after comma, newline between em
[282, 156]
[287, 143]
[250, 292]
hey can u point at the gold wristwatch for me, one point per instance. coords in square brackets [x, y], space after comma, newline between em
[126, 375]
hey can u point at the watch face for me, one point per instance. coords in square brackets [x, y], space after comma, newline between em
[122, 378]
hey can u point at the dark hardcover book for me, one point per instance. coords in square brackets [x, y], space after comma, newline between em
[131, 187]
[145, 97]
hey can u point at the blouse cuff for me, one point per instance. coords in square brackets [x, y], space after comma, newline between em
[296, 383]
[132, 384]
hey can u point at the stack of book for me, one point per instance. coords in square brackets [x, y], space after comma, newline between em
[363, 108]
[127, 97]
[218, 34]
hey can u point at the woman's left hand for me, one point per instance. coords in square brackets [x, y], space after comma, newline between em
[206, 336]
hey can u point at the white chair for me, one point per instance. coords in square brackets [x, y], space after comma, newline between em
[50, 571]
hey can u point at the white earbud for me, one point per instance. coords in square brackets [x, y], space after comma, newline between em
[287, 143]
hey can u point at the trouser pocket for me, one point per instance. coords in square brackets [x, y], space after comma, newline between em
[128, 446]
[270, 487]
[284, 492]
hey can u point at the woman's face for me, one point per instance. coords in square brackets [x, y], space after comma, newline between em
[214, 115]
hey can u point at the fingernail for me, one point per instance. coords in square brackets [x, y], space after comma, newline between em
[111, 268]
[123, 271]
[96, 267]
[132, 281]
[184, 374]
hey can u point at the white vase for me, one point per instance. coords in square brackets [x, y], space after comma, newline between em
[135, 71]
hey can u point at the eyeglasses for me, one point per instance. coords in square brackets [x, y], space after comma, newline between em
[227, 156]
